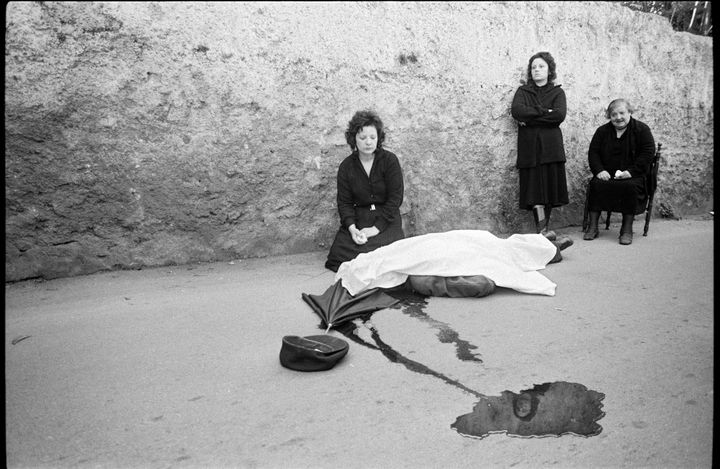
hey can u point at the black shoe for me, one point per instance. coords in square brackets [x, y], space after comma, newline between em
[557, 257]
[549, 234]
[563, 242]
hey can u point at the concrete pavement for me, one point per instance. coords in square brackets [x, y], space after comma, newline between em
[178, 366]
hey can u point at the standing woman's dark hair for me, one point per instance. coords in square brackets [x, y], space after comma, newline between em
[364, 119]
[552, 75]
[539, 107]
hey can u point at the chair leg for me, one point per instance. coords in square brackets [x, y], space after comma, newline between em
[648, 215]
[607, 220]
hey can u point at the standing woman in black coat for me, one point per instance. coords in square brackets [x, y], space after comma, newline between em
[370, 191]
[539, 108]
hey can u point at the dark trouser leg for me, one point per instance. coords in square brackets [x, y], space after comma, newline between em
[557, 257]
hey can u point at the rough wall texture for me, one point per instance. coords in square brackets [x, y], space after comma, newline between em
[143, 133]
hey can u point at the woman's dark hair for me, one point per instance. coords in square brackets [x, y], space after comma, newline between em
[363, 119]
[551, 67]
[617, 102]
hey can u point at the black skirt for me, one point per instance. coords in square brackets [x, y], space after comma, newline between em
[344, 248]
[626, 196]
[544, 184]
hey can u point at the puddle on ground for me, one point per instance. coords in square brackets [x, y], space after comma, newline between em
[413, 305]
[549, 409]
[348, 330]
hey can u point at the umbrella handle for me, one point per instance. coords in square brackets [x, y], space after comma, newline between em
[328, 328]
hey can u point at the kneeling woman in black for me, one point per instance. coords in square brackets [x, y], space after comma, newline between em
[369, 192]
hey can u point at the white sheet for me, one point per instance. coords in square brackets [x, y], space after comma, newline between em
[510, 263]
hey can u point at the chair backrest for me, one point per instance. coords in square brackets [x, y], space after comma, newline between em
[652, 175]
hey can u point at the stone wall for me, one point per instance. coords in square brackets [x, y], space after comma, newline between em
[155, 133]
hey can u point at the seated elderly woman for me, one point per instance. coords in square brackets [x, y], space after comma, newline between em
[620, 157]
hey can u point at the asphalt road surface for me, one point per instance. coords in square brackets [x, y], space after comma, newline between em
[178, 366]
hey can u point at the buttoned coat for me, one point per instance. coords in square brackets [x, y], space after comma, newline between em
[542, 110]
[382, 190]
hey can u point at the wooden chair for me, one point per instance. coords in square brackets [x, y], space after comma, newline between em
[650, 186]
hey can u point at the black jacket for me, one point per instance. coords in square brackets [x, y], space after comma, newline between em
[384, 190]
[540, 140]
[641, 149]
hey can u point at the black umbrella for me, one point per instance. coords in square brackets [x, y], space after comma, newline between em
[337, 306]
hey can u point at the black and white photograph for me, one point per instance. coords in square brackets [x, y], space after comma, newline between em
[359, 234]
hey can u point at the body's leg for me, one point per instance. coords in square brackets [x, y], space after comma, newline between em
[562, 243]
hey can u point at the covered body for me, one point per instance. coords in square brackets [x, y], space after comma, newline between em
[511, 263]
